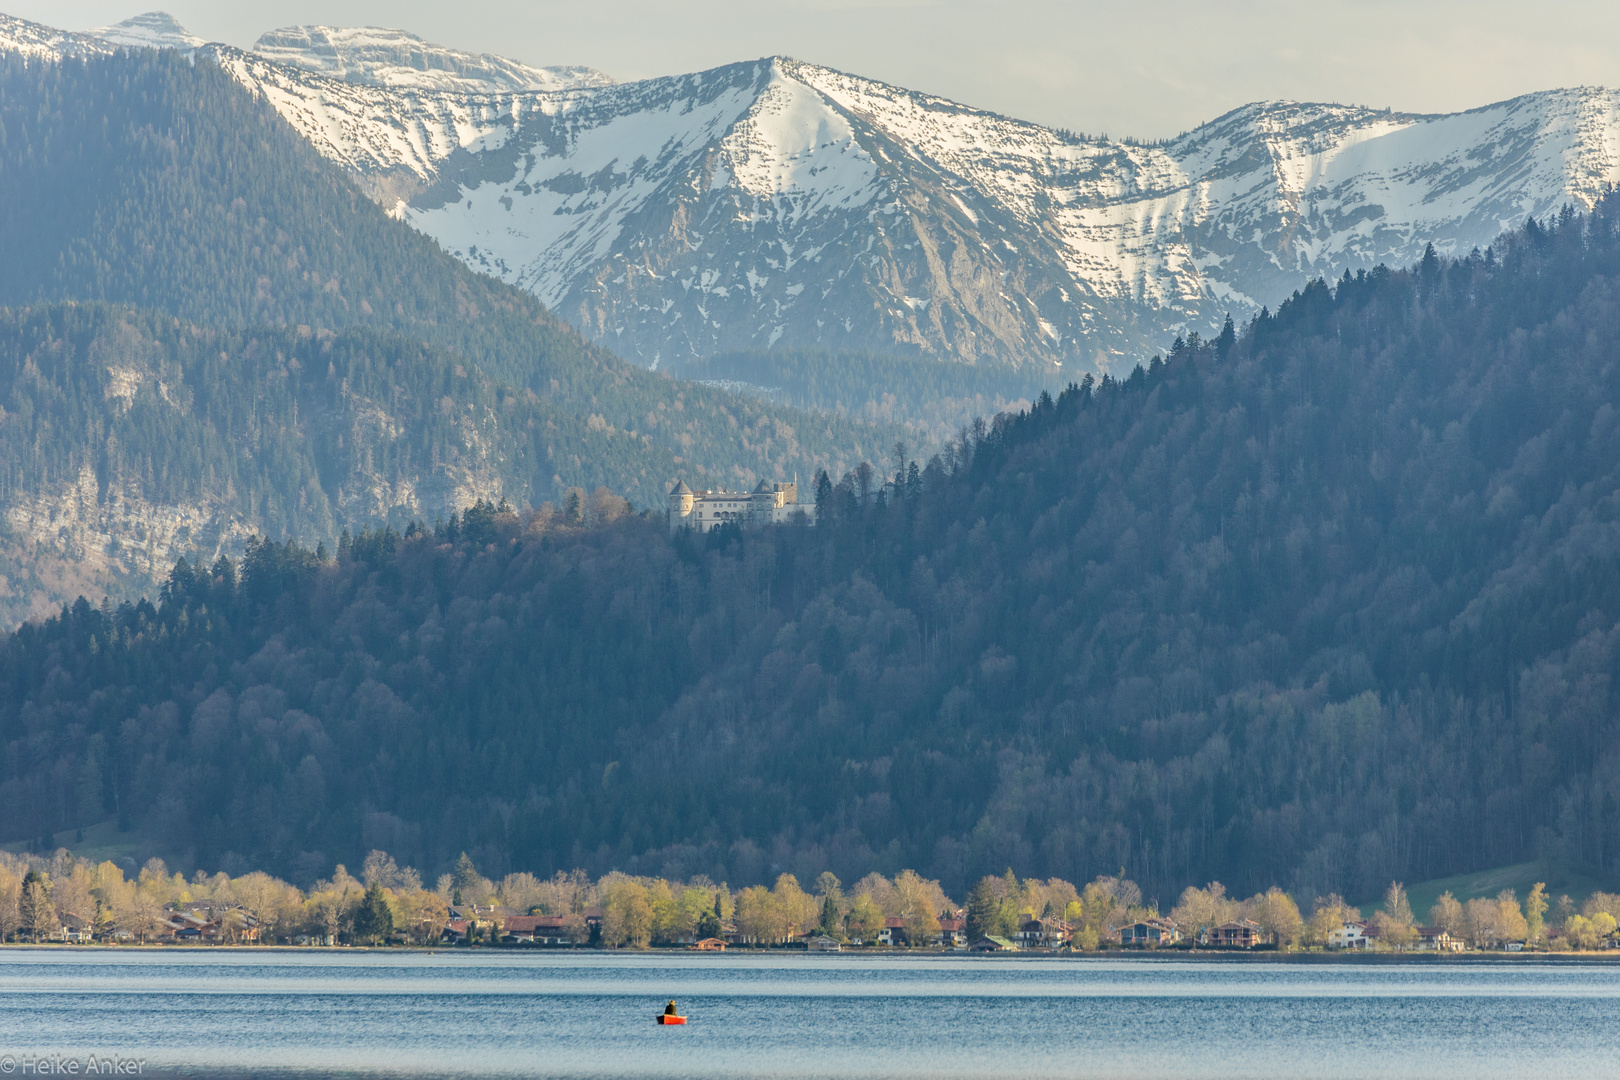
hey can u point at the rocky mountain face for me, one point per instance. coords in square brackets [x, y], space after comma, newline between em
[778, 203]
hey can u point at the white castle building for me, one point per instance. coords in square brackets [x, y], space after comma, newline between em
[765, 505]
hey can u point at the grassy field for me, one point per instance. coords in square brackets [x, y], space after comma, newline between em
[100, 842]
[1487, 883]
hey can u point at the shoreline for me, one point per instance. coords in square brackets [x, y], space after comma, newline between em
[1203, 956]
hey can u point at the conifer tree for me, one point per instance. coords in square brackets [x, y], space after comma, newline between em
[983, 909]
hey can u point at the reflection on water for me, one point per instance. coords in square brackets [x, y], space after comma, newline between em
[219, 1012]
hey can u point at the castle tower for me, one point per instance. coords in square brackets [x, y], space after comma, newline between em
[680, 504]
[763, 502]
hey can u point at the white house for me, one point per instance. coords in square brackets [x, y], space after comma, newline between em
[1351, 935]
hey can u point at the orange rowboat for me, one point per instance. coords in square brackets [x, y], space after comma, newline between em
[665, 1018]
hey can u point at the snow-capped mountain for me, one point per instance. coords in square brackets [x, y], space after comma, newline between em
[372, 56]
[781, 202]
[153, 30]
[775, 202]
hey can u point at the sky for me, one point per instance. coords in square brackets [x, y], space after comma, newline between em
[1148, 69]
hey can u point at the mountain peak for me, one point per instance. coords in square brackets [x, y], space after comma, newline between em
[153, 30]
[380, 56]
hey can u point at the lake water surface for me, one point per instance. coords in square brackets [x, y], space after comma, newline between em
[384, 1014]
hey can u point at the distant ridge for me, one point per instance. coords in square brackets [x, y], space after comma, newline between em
[374, 56]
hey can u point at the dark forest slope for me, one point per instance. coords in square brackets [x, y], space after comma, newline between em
[155, 181]
[1335, 603]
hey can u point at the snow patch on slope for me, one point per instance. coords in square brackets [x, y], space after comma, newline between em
[791, 146]
[587, 166]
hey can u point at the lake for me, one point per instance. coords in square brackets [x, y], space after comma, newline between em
[342, 1012]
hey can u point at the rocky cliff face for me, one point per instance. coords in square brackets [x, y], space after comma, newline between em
[80, 539]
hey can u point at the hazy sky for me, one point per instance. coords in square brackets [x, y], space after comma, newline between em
[1145, 69]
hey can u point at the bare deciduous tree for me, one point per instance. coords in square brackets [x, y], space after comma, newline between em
[38, 914]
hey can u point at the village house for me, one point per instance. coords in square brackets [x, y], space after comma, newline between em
[490, 914]
[767, 504]
[893, 932]
[1043, 933]
[523, 928]
[1241, 934]
[992, 943]
[823, 943]
[207, 921]
[236, 925]
[1351, 935]
[1149, 933]
[543, 929]
[1437, 939]
[953, 933]
[181, 926]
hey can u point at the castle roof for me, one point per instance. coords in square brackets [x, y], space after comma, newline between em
[680, 488]
[764, 489]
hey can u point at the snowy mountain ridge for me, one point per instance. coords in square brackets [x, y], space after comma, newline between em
[775, 202]
[375, 56]
[778, 201]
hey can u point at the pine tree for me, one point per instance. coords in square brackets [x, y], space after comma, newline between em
[1227, 338]
[374, 919]
[983, 909]
[829, 916]
[464, 877]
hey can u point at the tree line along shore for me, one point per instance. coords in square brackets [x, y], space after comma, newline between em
[69, 899]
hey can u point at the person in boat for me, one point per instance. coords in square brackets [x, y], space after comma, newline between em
[669, 1010]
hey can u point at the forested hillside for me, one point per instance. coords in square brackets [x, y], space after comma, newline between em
[1327, 602]
[128, 436]
[932, 398]
[151, 181]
